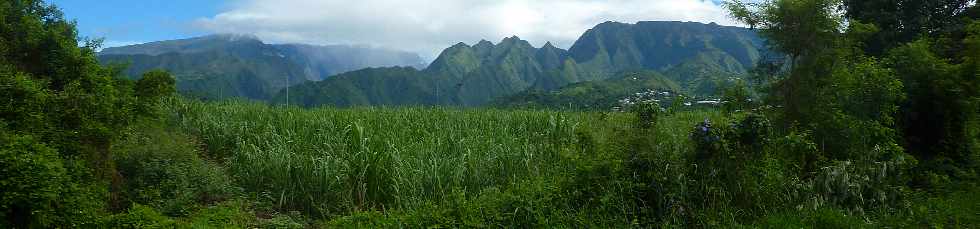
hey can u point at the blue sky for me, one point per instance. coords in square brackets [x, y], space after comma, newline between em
[128, 21]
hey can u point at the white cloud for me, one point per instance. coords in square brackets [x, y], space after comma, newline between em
[428, 26]
[112, 44]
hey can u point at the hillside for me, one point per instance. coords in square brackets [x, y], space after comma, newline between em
[221, 66]
[592, 95]
[697, 56]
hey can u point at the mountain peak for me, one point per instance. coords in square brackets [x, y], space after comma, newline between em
[515, 41]
[548, 45]
[483, 44]
[511, 39]
[460, 45]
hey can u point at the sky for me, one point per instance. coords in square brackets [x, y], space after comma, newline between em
[421, 26]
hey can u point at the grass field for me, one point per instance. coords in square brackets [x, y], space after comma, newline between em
[330, 162]
[450, 167]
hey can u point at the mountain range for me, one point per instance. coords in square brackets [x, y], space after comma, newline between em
[222, 66]
[690, 57]
[699, 57]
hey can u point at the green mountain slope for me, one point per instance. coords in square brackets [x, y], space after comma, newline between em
[613, 47]
[461, 75]
[221, 66]
[592, 95]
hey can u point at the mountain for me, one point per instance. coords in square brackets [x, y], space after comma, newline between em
[461, 75]
[221, 66]
[592, 95]
[698, 57]
[613, 47]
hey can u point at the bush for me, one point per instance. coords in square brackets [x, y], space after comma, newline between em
[646, 114]
[227, 214]
[151, 88]
[800, 153]
[140, 216]
[33, 181]
[819, 218]
[864, 186]
[162, 169]
[735, 167]
[736, 97]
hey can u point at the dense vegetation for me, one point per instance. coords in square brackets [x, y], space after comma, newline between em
[860, 125]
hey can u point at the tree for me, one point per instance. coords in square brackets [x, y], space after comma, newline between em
[904, 20]
[830, 87]
[736, 97]
[940, 118]
[155, 85]
[808, 32]
[59, 113]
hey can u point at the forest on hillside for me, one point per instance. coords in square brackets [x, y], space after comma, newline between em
[869, 118]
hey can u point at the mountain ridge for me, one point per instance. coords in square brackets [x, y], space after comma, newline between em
[231, 65]
[699, 56]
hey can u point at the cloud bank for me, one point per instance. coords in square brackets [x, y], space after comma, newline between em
[428, 26]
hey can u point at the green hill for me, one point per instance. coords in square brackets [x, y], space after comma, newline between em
[221, 66]
[592, 95]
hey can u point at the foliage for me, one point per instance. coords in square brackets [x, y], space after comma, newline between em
[162, 169]
[818, 218]
[61, 111]
[155, 85]
[646, 114]
[32, 182]
[904, 20]
[736, 97]
[289, 157]
[150, 89]
[139, 216]
[939, 119]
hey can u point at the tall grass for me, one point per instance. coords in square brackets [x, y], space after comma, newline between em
[452, 167]
[333, 161]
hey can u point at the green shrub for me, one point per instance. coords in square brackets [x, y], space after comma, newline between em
[163, 169]
[800, 152]
[955, 208]
[861, 187]
[646, 113]
[736, 97]
[139, 216]
[820, 218]
[33, 182]
[734, 167]
[227, 214]
[149, 89]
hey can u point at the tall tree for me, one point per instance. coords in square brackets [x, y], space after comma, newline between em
[904, 21]
[830, 87]
[59, 113]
